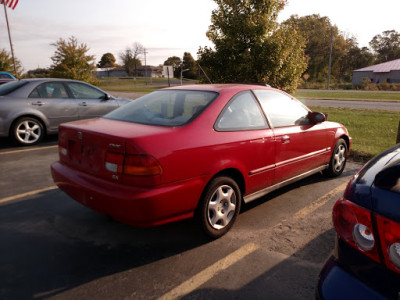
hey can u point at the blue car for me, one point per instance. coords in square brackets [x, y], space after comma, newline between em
[365, 263]
[6, 77]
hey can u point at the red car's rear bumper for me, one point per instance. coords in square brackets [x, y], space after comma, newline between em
[139, 206]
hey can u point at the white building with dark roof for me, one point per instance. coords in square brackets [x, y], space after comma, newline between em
[388, 71]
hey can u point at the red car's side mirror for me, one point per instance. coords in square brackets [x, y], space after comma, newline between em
[317, 117]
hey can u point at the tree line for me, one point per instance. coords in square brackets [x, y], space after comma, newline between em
[250, 46]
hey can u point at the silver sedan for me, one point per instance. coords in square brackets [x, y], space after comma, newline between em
[32, 108]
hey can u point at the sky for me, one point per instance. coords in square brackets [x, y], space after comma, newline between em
[164, 28]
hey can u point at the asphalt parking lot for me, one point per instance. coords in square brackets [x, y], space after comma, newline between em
[54, 248]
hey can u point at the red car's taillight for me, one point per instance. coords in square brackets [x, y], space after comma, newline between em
[389, 233]
[353, 224]
[141, 165]
[132, 164]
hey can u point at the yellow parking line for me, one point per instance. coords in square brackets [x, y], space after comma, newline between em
[11, 198]
[29, 149]
[320, 201]
[199, 279]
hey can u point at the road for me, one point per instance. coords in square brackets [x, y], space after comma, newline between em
[54, 248]
[392, 106]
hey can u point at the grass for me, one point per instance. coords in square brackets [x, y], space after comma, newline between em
[349, 95]
[373, 131]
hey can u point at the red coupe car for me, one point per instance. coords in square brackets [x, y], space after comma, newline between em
[197, 150]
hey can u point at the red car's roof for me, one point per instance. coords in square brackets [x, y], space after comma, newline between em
[219, 87]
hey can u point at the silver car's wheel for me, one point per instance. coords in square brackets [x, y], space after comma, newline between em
[338, 159]
[219, 206]
[28, 131]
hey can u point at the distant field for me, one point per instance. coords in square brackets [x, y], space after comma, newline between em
[139, 85]
[348, 95]
[373, 131]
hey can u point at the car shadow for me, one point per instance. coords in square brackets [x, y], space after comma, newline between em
[56, 247]
[294, 277]
[9, 144]
[316, 178]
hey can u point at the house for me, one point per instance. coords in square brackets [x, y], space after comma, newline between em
[385, 72]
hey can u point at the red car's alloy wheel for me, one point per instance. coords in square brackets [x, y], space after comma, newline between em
[219, 206]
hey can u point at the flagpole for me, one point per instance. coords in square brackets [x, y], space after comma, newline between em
[9, 37]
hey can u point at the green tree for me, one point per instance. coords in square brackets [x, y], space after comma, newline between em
[250, 46]
[130, 58]
[386, 46]
[175, 62]
[355, 58]
[7, 64]
[38, 73]
[70, 60]
[107, 61]
[190, 65]
[318, 32]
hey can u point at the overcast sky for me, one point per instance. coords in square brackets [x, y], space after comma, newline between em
[165, 27]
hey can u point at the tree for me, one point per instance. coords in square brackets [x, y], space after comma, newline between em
[38, 73]
[250, 46]
[355, 58]
[70, 60]
[386, 46]
[318, 32]
[7, 64]
[107, 61]
[130, 59]
[175, 62]
[190, 65]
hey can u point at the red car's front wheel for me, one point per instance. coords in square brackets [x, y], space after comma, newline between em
[338, 159]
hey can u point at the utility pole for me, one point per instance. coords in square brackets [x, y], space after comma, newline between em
[145, 65]
[9, 37]
[330, 62]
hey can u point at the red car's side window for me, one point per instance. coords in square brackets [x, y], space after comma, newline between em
[241, 113]
[282, 110]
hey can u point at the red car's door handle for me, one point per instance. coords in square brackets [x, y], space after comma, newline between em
[285, 139]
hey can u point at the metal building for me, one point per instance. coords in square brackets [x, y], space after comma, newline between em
[385, 72]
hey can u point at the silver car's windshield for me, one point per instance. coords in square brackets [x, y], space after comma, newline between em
[165, 108]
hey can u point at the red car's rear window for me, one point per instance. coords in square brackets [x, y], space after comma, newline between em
[165, 108]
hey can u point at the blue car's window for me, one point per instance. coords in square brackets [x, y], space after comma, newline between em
[389, 178]
[241, 113]
[164, 108]
[6, 76]
[10, 87]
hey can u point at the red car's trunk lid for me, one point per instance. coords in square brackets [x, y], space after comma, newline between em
[86, 145]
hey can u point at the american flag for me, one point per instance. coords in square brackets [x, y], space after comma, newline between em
[10, 3]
